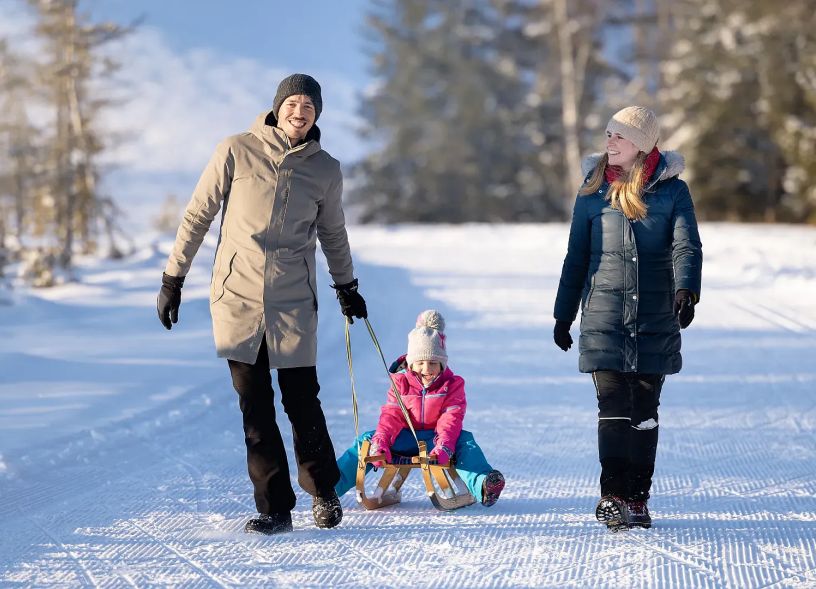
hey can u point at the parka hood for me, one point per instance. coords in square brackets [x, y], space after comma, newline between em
[675, 163]
[265, 127]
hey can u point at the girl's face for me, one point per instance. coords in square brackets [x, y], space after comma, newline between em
[426, 370]
[621, 152]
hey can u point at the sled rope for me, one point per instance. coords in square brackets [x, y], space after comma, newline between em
[402, 406]
[353, 387]
[405, 413]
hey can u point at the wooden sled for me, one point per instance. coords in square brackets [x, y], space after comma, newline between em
[443, 485]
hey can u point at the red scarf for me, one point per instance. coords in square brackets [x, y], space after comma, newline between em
[612, 173]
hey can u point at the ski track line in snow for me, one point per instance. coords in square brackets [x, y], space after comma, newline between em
[772, 316]
[82, 568]
[196, 476]
[194, 565]
[786, 577]
[115, 443]
[736, 461]
[753, 576]
[691, 560]
[798, 321]
[578, 557]
[362, 554]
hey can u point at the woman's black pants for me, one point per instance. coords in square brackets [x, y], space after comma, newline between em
[627, 431]
[266, 456]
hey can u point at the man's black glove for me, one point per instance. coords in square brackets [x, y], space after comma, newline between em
[169, 299]
[352, 303]
[561, 334]
[684, 307]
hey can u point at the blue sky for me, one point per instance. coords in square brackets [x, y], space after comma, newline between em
[302, 35]
[196, 72]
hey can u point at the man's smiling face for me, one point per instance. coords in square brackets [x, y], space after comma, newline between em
[296, 116]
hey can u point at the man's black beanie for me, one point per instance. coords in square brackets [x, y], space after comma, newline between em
[298, 84]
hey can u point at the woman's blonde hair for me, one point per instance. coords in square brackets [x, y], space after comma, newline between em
[626, 193]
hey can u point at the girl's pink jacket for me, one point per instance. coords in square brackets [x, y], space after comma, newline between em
[440, 407]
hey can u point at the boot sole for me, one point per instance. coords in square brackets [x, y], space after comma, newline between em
[610, 513]
[329, 525]
[267, 530]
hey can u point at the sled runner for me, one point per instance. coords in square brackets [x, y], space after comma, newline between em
[442, 484]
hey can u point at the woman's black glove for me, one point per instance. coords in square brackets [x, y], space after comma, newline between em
[352, 303]
[561, 334]
[684, 307]
[169, 299]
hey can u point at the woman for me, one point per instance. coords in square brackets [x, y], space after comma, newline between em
[633, 264]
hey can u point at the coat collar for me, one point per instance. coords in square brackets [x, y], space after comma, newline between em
[671, 164]
[265, 128]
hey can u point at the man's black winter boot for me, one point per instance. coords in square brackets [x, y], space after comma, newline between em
[613, 512]
[273, 523]
[327, 511]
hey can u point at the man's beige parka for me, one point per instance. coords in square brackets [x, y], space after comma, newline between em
[277, 200]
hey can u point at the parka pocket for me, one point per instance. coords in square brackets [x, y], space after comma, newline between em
[589, 293]
[310, 279]
[220, 277]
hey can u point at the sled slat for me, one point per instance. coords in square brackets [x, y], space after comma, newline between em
[445, 495]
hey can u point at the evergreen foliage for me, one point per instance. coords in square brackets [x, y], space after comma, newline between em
[481, 108]
[443, 121]
[50, 200]
[737, 77]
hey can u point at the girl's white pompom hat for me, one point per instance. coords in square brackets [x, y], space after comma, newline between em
[427, 340]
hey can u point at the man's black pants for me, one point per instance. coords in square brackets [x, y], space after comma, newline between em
[627, 431]
[266, 456]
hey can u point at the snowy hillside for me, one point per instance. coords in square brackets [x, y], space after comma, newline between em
[122, 456]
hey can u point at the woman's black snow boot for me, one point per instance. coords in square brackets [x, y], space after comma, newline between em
[639, 516]
[613, 511]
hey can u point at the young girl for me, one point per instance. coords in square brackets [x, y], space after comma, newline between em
[435, 399]
[633, 267]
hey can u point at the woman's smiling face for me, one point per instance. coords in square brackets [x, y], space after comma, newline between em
[621, 152]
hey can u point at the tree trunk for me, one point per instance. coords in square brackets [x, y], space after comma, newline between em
[66, 190]
[569, 101]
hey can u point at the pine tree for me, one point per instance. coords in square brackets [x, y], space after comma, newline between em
[787, 79]
[738, 91]
[20, 149]
[72, 60]
[443, 122]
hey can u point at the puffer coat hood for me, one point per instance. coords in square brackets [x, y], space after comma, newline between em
[623, 274]
[277, 201]
[673, 164]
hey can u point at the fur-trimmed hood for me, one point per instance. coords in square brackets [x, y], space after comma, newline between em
[675, 164]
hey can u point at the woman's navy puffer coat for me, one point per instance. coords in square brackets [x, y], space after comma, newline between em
[624, 274]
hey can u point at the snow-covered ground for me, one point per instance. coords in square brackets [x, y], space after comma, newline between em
[122, 454]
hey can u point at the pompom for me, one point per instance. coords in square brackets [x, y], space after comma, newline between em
[431, 318]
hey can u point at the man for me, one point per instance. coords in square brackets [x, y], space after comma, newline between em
[279, 191]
